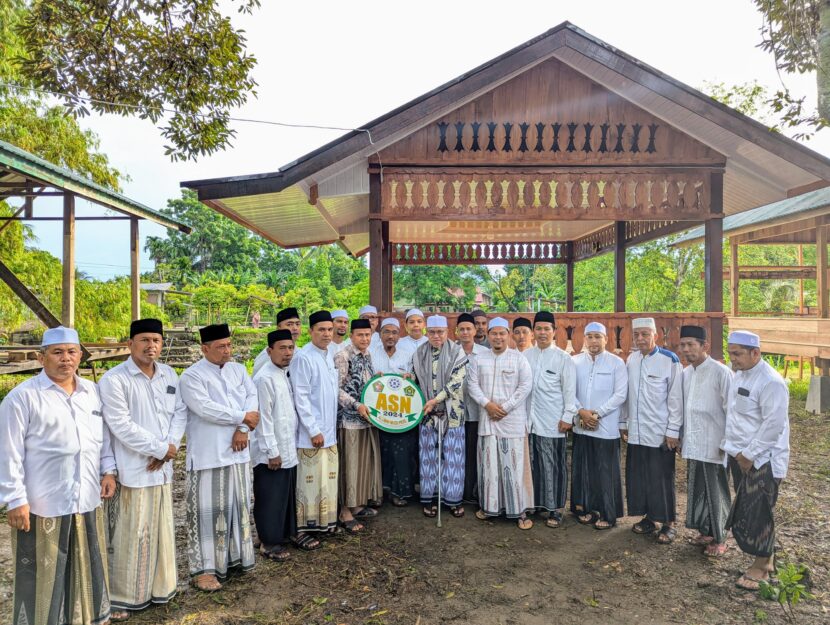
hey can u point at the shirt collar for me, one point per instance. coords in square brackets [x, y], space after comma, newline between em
[46, 382]
[134, 369]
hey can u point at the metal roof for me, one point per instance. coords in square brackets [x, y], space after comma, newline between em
[791, 209]
[761, 166]
[17, 163]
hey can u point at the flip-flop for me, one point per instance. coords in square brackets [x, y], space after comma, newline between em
[666, 535]
[607, 525]
[365, 513]
[700, 540]
[457, 511]
[716, 550]
[430, 512]
[352, 526]
[480, 515]
[277, 553]
[645, 526]
[306, 542]
[399, 502]
[208, 583]
[588, 519]
[119, 616]
[746, 582]
[524, 524]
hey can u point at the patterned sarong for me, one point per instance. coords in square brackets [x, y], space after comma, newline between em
[708, 500]
[218, 520]
[505, 484]
[142, 554]
[452, 465]
[751, 518]
[317, 489]
[549, 466]
[60, 571]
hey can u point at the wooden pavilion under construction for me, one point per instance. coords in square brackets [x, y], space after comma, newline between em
[559, 150]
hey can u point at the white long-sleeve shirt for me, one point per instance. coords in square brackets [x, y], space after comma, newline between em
[706, 391]
[655, 397]
[276, 434]
[409, 344]
[758, 422]
[262, 359]
[505, 379]
[217, 399]
[601, 386]
[316, 389]
[471, 408]
[55, 447]
[553, 396]
[144, 416]
[399, 362]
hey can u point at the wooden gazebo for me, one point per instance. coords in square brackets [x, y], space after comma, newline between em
[556, 151]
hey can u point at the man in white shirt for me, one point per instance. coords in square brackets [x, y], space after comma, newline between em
[601, 391]
[522, 334]
[221, 410]
[500, 383]
[398, 451]
[706, 387]
[315, 383]
[414, 323]
[654, 416]
[274, 454]
[56, 465]
[551, 406]
[465, 330]
[371, 313]
[287, 319]
[757, 441]
[146, 416]
[339, 340]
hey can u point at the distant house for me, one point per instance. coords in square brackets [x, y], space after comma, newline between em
[156, 292]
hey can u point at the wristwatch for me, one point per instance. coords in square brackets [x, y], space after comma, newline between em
[243, 428]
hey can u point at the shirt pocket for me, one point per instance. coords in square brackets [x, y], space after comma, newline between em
[656, 388]
[603, 381]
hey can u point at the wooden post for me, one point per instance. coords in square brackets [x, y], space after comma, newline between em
[68, 282]
[821, 272]
[375, 244]
[569, 286]
[734, 277]
[801, 281]
[135, 278]
[713, 270]
[386, 301]
[619, 267]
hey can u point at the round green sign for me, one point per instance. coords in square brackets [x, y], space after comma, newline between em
[395, 403]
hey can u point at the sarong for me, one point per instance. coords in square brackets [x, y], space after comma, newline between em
[708, 500]
[360, 476]
[317, 489]
[549, 467]
[399, 460]
[275, 504]
[142, 552]
[596, 481]
[751, 518]
[505, 483]
[649, 483]
[60, 570]
[218, 520]
[471, 462]
[452, 465]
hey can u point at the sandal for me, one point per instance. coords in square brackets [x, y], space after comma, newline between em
[746, 582]
[457, 511]
[374, 503]
[207, 583]
[602, 525]
[119, 615]
[666, 535]
[399, 502]
[716, 550]
[588, 519]
[365, 513]
[700, 540]
[306, 542]
[525, 523]
[277, 553]
[554, 520]
[353, 527]
[480, 515]
[645, 526]
[431, 512]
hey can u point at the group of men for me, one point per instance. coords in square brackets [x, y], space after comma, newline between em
[295, 439]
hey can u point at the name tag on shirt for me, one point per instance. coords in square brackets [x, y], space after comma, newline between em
[743, 392]
[171, 390]
[551, 372]
[97, 413]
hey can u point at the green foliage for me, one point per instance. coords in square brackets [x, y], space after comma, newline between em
[148, 57]
[789, 590]
[438, 285]
[749, 98]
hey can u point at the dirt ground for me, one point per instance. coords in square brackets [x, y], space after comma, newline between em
[406, 570]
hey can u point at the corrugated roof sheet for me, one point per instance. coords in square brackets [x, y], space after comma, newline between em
[764, 215]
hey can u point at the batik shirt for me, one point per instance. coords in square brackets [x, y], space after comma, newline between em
[354, 368]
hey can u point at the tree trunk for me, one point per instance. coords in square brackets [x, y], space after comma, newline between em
[823, 68]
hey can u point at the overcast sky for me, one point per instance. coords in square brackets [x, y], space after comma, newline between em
[342, 64]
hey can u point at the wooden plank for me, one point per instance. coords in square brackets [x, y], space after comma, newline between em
[619, 268]
[569, 286]
[27, 297]
[806, 224]
[713, 263]
[734, 277]
[821, 273]
[386, 303]
[135, 276]
[808, 337]
[68, 281]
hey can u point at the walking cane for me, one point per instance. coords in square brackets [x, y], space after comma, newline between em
[440, 453]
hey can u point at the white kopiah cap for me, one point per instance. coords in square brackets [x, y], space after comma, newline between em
[596, 326]
[367, 310]
[414, 312]
[437, 321]
[742, 337]
[59, 336]
[339, 313]
[390, 321]
[498, 322]
[644, 322]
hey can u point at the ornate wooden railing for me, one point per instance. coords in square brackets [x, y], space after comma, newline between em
[478, 253]
[595, 243]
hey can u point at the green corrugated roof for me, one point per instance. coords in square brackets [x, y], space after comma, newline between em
[763, 215]
[27, 164]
